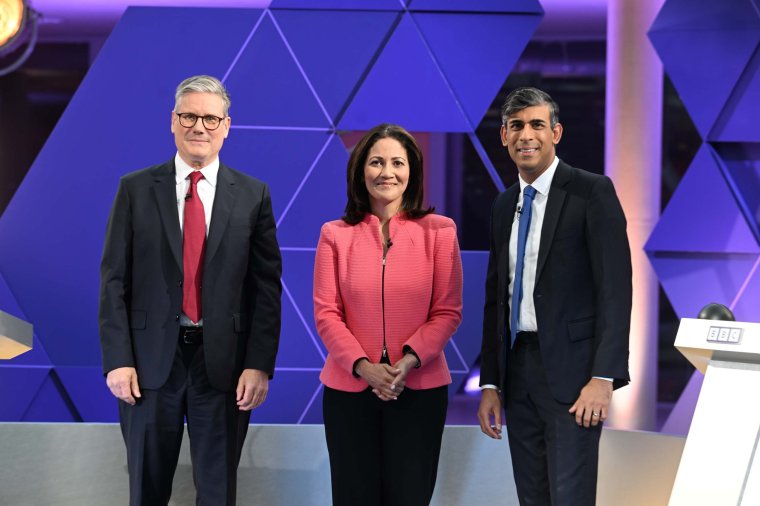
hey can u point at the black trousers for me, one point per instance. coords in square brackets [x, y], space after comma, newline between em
[384, 453]
[153, 428]
[553, 459]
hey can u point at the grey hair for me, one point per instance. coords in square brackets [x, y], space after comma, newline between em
[522, 98]
[202, 84]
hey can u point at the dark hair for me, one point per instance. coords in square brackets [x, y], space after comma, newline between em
[522, 98]
[358, 197]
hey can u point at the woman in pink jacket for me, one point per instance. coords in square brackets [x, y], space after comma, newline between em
[387, 299]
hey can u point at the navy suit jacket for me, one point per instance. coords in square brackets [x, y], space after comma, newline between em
[141, 278]
[582, 293]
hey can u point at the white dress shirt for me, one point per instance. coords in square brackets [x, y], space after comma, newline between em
[206, 190]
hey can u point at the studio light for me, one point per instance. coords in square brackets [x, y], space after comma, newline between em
[18, 25]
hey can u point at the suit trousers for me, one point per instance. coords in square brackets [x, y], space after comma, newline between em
[384, 452]
[554, 460]
[153, 429]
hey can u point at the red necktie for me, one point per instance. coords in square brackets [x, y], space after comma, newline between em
[193, 248]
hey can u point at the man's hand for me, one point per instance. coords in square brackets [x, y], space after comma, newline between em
[380, 377]
[591, 406]
[122, 382]
[252, 389]
[490, 406]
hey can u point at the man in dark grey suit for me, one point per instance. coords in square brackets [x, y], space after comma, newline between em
[189, 304]
[555, 345]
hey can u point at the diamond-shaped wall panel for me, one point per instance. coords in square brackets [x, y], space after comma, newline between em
[293, 71]
[462, 42]
[314, 34]
[703, 214]
[428, 105]
[738, 121]
[273, 89]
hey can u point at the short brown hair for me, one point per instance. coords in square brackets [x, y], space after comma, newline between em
[358, 197]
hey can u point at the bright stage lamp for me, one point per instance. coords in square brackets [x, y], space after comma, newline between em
[12, 18]
[18, 24]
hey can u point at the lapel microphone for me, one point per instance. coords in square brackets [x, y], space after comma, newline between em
[389, 243]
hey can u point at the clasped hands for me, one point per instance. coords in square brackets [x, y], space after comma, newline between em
[387, 382]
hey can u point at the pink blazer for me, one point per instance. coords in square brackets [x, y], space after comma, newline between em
[423, 296]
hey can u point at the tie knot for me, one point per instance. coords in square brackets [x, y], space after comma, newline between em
[529, 192]
[195, 176]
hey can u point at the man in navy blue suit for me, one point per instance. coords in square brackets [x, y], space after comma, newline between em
[556, 352]
[189, 304]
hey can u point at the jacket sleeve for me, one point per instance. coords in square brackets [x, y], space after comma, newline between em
[265, 270]
[611, 266]
[429, 340]
[115, 277]
[329, 310]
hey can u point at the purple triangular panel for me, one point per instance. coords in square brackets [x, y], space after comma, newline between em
[703, 215]
[300, 345]
[86, 387]
[50, 404]
[706, 15]
[297, 348]
[18, 387]
[57, 218]
[280, 158]
[405, 87]
[322, 198]
[354, 5]
[314, 413]
[738, 122]
[290, 394]
[747, 307]
[691, 281]
[268, 88]
[744, 174]
[335, 48]
[704, 66]
[520, 6]
[300, 274]
[476, 52]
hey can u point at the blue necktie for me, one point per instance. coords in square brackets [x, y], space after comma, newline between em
[522, 239]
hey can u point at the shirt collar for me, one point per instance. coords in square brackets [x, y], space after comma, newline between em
[544, 181]
[183, 170]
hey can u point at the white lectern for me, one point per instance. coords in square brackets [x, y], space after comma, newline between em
[720, 463]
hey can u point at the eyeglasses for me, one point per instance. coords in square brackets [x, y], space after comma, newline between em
[188, 120]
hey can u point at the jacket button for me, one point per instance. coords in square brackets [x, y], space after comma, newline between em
[179, 283]
[176, 317]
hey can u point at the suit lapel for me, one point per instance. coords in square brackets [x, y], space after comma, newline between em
[220, 217]
[554, 206]
[165, 192]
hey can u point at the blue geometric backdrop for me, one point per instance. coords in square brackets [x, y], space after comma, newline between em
[300, 73]
[706, 245]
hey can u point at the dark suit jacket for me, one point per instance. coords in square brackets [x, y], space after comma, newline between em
[141, 278]
[582, 293]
